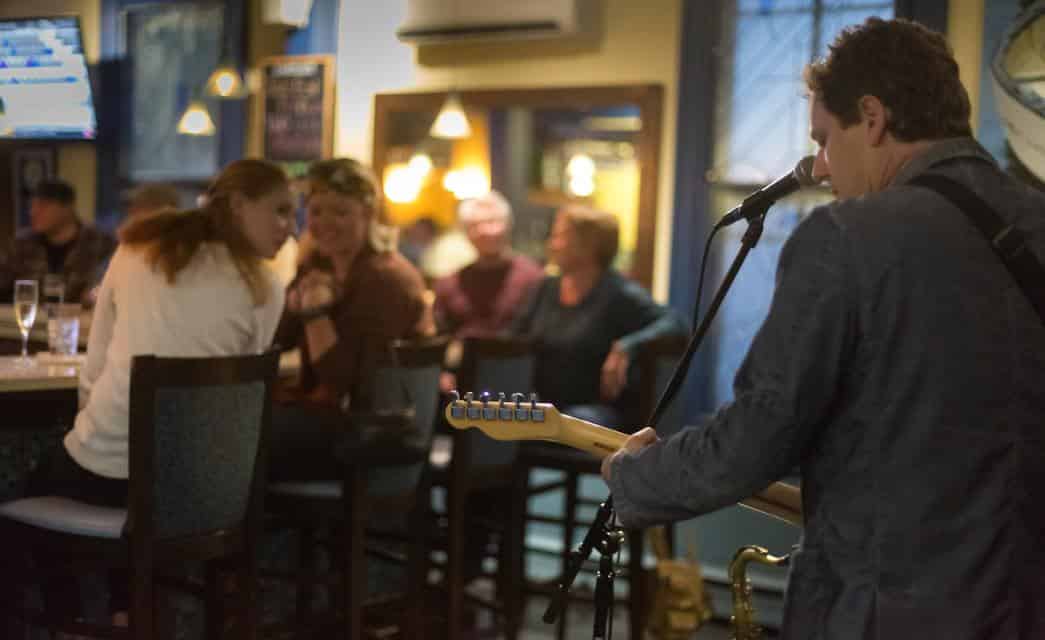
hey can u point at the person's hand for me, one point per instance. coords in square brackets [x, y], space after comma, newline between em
[314, 290]
[636, 442]
[90, 297]
[447, 381]
[614, 373]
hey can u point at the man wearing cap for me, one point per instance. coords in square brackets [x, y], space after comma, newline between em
[56, 242]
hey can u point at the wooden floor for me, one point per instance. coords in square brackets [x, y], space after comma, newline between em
[579, 625]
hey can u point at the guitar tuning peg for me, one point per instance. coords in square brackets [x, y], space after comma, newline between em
[536, 413]
[489, 413]
[503, 412]
[472, 408]
[456, 410]
[522, 412]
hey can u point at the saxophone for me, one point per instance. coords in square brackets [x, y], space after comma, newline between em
[743, 619]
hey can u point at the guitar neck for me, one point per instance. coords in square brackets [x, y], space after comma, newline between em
[588, 436]
[780, 500]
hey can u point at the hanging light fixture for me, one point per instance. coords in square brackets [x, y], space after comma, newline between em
[451, 122]
[196, 120]
[226, 82]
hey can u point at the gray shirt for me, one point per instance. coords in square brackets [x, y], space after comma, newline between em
[902, 369]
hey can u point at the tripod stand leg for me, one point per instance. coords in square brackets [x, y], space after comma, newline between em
[603, 598]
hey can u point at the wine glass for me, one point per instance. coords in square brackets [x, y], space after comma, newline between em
[25, 302]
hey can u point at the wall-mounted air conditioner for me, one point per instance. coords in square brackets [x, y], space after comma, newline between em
[441, 21]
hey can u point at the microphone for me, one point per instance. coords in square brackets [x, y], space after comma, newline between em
[757, 203]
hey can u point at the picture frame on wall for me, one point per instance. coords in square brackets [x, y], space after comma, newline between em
[296, 98]
[30, 166]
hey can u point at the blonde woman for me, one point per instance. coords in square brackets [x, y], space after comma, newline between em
[354, 294]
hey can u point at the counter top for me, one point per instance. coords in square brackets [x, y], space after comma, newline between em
[46, 372]
[40, 373]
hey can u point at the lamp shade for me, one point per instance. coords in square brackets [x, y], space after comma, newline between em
[293, 13]
[196, 120]
[226, 82]
[451, 121]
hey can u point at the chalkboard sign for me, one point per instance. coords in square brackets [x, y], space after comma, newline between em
[297, 95]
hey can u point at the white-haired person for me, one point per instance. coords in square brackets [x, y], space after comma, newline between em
[482, 298]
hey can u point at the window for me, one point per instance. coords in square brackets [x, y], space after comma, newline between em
[761, 131]
[173, 48]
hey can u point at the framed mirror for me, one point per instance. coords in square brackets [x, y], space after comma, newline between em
[541, 148]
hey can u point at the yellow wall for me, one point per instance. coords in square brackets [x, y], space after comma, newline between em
[77, 161]
[965, 33]
[638, 43]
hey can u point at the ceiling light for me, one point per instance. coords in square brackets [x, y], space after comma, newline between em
[196, 120]
[451, 121]
[226, 82]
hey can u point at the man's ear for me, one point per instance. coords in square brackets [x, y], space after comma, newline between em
[873, 116]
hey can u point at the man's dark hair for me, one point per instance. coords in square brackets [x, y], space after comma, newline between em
[55, 190]
[908, 67]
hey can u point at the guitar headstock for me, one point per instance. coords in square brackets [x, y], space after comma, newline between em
[519, 418]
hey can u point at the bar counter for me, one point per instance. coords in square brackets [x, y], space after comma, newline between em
[11, 337]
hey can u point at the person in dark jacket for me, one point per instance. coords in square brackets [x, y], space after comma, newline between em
[900, 366]
[57, 242]
[589, 322]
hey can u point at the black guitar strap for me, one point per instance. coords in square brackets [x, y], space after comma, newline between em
[1007, 241]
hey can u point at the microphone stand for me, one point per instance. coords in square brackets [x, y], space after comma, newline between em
[604, 535]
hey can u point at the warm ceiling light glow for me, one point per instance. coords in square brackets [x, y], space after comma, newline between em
[582, 186]
[225, 82]
[402, 183]
[420, 163]
[451, 121]
[580, 164]
[468, 182]
[196, 120]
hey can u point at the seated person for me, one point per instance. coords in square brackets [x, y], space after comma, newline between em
[354, 294]
[152, 197]
[589, 322]
[182, 283]
[416, 238]
[57, 242]
[482, 298]
[285, 263]
[448, 252]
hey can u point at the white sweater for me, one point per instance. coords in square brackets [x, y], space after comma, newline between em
[208, 311]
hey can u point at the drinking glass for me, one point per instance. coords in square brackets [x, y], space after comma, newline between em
[25, 302]
[63, 329]
[54, 292]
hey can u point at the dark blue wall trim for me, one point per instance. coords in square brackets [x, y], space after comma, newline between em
[320, 35]
[693, 147]
[931, 13]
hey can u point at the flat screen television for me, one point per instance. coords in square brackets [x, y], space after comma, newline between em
[45, 92]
